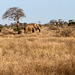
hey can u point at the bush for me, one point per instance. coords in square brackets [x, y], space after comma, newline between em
[53, 28]
[16, 29]
[0, 29]
[19, 32]
[71, 23]
[1, 26]
[66, 33]
[40, 25]
[47, 25]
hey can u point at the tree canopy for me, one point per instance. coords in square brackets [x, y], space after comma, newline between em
[14, 14]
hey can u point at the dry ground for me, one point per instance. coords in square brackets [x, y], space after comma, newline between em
[43, 53]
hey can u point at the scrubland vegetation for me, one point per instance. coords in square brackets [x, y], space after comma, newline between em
[50, 52]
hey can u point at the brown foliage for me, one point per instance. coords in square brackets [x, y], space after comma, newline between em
[66, 32]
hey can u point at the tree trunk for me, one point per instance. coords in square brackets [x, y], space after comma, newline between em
[57, 24]
[18, 24]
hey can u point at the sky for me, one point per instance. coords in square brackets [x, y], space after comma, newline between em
[40, 10]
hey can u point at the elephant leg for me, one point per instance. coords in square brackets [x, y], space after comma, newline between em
[39, 29]
[32, 30]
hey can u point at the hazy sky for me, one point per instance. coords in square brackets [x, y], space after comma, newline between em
[40, 10]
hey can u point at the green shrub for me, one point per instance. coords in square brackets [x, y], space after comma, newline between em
[16, 29]
[71, 23]
[19, 32]
[0, 29]
[1, 26]
[40, 25]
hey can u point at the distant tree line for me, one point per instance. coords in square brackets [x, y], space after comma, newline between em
[58, 22]
[71, 22]
[61, 22]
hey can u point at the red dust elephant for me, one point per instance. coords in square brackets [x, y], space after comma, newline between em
[31, 27]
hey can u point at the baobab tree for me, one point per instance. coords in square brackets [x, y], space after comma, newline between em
[14, 14]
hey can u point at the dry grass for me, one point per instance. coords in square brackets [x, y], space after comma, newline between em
[37, 54]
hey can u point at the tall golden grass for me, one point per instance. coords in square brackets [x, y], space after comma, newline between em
[37, 53]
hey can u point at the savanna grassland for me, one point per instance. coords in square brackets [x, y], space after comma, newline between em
[50, 52]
